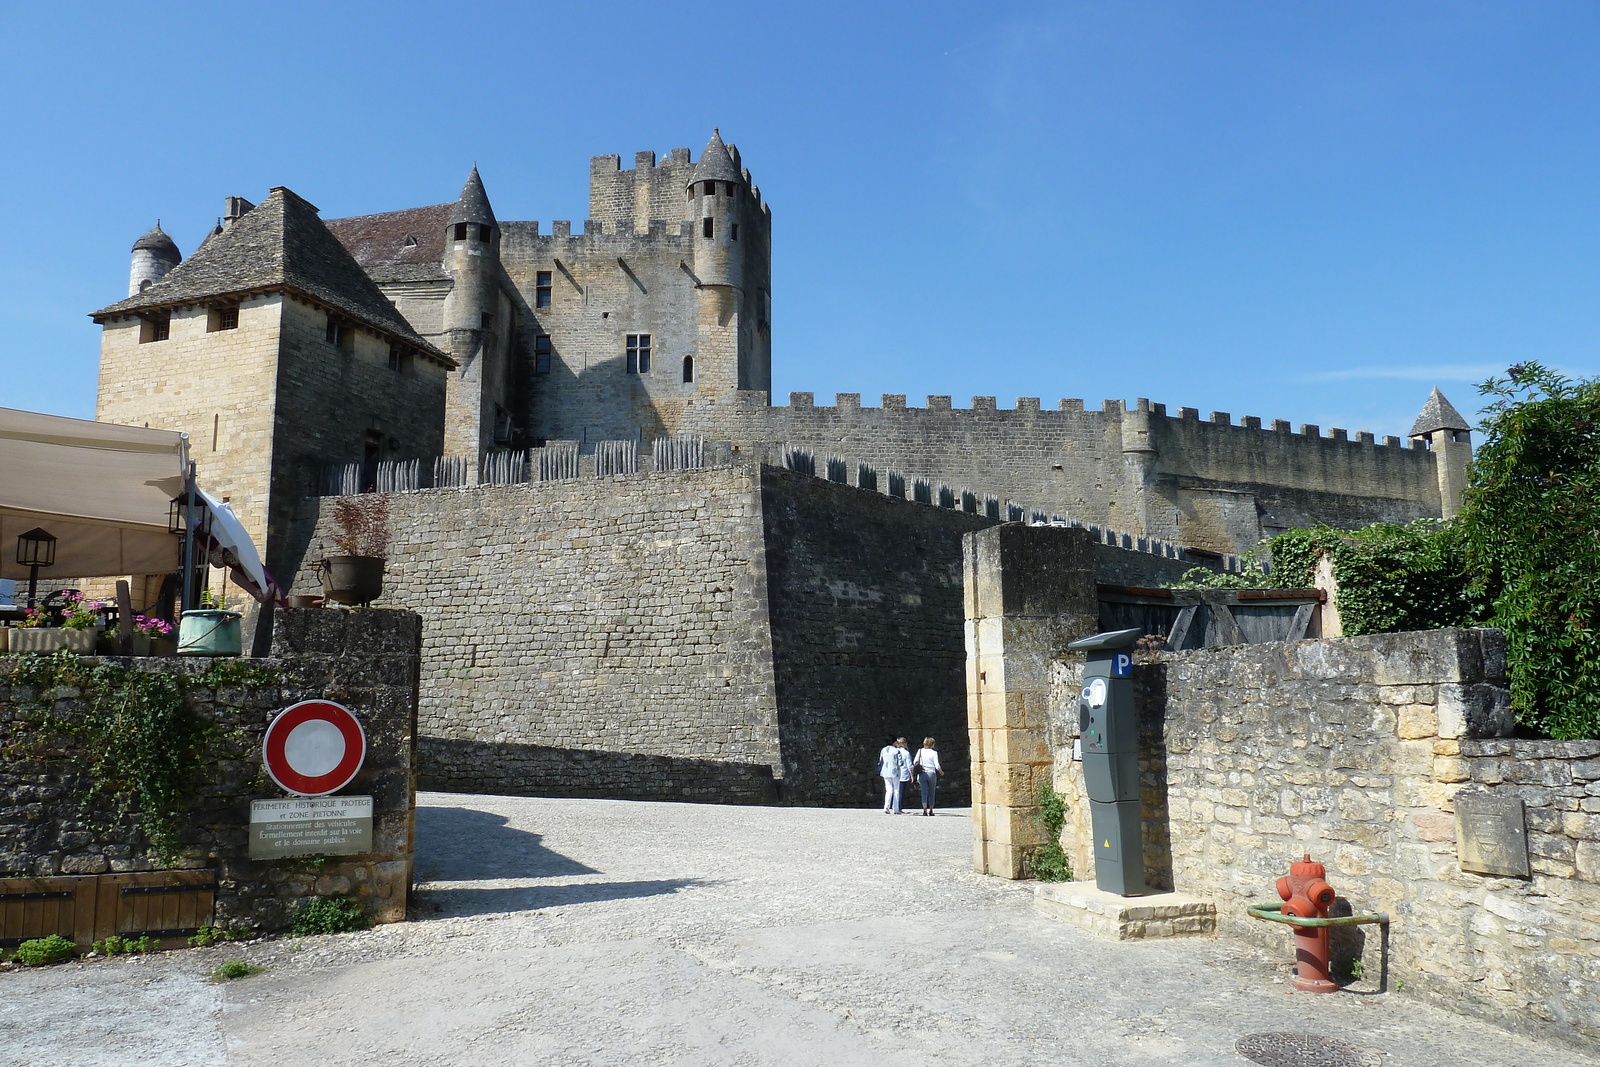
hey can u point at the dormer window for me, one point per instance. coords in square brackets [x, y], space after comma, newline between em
[156, 327]
[461, 231]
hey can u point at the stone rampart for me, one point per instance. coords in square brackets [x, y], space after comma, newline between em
[52, 824]
[1211, 484]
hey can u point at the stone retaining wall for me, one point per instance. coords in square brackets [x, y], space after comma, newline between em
[1358, 751]
[365, 660]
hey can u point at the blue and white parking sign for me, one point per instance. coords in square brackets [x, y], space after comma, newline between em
[1121, 665]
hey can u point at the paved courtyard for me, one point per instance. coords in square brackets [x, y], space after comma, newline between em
[608, 932]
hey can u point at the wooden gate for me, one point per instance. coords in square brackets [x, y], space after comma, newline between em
[86, 908]
[1208, 618]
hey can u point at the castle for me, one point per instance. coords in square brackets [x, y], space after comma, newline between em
[616, 384]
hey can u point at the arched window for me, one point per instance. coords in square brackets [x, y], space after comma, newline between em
[688, 370]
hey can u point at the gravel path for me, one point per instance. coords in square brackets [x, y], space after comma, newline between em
[609, 932]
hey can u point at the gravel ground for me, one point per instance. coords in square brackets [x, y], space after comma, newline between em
[610, 932]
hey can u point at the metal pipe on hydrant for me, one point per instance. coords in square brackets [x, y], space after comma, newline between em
[1307, 895]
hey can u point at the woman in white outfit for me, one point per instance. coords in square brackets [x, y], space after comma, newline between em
[928, 773]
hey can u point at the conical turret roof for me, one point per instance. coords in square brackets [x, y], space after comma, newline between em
[156, 240]
[280, 245]
[715, 163]
[473, 203]
[1438, 414]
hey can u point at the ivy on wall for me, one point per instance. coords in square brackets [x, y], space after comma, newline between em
[141, 740]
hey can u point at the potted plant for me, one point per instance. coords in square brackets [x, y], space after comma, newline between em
[76, 633]
[152, 637]
[361, 535]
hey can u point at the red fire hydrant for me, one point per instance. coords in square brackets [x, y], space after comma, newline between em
[1307, 895]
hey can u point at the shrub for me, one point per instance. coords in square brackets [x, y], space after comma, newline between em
[43, 951]
[235, 969]
[125, 946]
[207, 936]
[361, 525]
[1048, 862]
[329, 915]
[1391, 578]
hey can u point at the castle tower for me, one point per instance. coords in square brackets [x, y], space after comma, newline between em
[154, 255]
[730, 229]
[1441, 427]
[472, 330]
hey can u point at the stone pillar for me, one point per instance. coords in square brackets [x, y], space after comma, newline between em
[1029, 591]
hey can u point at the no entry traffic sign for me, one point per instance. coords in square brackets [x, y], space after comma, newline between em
[314, 748]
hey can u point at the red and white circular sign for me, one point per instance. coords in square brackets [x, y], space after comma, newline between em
[314, 748]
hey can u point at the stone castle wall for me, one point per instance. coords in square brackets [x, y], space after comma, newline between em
[865, 609]
[366, 661]
[1212, 484]
[581, 631]
[698, 634]
[1356, 751]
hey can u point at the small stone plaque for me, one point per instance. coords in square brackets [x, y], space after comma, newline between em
[1491, 835]
[310, 826]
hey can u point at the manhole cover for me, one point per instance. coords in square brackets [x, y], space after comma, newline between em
[1304, 1050]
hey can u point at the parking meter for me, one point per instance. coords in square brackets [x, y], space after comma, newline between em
[1109, 734]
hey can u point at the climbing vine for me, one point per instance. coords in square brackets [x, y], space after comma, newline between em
[142, 741]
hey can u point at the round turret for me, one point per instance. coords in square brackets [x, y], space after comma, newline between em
[154, 255]
[716, 189]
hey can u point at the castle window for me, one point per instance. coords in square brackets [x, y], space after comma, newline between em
[638, 353]
[707, 226]
[486, 320]
[688, 370]
[727, 188]
[461, 231]
[541, 292]
[541, 354]
[223, 319]
[485, 233]
[735, 234]
[155, 328]
[399, 359]
[340, 334]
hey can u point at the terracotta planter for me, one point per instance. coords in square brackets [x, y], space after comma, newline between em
[53, 639]
[352, 579]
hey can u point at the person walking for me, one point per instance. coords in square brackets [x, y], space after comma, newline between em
[928, 773]
[905, 769]
[889, 757]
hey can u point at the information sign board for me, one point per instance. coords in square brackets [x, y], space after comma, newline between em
[310, 826]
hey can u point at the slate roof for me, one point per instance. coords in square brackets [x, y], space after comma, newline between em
[1438, 414]
[715, 163]
[473, 203]
[156, 240]
[397, 246]
[280, 244]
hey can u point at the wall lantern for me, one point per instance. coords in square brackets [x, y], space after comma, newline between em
[178, 514]
[35, 549]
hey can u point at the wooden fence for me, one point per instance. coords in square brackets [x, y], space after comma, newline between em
[87, 908]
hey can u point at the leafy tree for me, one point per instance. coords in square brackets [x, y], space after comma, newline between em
[1530, 527]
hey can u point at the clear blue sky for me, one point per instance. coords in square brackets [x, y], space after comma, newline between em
[1310, 211]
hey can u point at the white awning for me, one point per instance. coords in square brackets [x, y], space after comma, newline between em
[103, 490]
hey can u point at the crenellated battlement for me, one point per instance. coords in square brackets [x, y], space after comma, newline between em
[1031, 407]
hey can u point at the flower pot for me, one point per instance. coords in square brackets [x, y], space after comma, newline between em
[163, 646]
[305, 600]
[209, 632]
[352, 579]
[52, 639]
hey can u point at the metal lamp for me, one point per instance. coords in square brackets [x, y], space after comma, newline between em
[35, 549]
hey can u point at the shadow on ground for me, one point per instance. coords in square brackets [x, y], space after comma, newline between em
[464, 844]
[472, 901]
